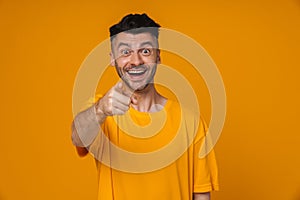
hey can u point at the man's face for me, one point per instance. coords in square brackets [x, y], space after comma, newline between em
[135, 57]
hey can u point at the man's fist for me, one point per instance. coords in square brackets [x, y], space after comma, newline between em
[116, 101]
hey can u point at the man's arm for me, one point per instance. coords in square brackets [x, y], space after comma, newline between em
[81, 150]
[202, 196]
[86, 125]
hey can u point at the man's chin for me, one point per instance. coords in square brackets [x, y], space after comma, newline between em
[142, 87]
[138, 88]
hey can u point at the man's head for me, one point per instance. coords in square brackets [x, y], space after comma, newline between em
[135, 53]
[137, 23]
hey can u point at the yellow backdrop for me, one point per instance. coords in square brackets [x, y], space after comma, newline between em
[255, 44]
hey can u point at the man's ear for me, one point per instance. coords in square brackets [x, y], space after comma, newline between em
[112, 59]
[158, 61]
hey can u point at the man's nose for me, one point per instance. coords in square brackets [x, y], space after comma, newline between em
[136, 59]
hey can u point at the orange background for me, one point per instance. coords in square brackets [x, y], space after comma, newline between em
[255, 44]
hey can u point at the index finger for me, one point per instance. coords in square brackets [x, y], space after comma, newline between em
[123, 89]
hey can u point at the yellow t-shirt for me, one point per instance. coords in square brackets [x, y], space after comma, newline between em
[153, 156]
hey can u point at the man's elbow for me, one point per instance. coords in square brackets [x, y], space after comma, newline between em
[202, 196]
[82, 151]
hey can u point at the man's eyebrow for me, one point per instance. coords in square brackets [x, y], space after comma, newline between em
[147, 43]
[122, 44]
[141, 45]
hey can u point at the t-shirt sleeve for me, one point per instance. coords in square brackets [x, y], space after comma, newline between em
[205, 169]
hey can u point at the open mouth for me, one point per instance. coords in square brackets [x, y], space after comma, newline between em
[136, 72]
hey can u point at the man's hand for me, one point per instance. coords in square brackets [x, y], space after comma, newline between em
[116, 101]
[86, 124]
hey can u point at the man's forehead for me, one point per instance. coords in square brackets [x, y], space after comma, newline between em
[134, 38]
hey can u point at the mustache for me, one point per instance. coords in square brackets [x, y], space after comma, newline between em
[143, 67]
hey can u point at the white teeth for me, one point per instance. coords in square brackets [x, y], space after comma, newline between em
[135, 71]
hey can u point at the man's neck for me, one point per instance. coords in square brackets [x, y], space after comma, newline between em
[148, 100]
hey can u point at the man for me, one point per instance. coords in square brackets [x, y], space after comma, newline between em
[127, 114]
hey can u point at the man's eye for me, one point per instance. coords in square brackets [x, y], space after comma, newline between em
[146, 51]
[125, 52]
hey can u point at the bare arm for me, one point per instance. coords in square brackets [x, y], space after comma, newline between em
[86, 125]
[76, 140]
[202, 196]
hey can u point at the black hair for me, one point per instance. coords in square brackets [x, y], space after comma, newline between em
[135, 23]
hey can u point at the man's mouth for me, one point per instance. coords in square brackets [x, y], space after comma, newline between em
[136, 72]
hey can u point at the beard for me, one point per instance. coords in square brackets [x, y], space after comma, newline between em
[138, 85]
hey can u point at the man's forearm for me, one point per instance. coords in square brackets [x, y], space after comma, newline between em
[86, 126]
[202, 196]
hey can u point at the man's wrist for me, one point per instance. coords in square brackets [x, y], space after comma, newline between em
[99, 112]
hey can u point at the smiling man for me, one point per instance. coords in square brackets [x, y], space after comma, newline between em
[135, 55]
[125, 118]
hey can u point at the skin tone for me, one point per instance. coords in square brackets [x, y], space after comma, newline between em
[202, 196]
[135, 57]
